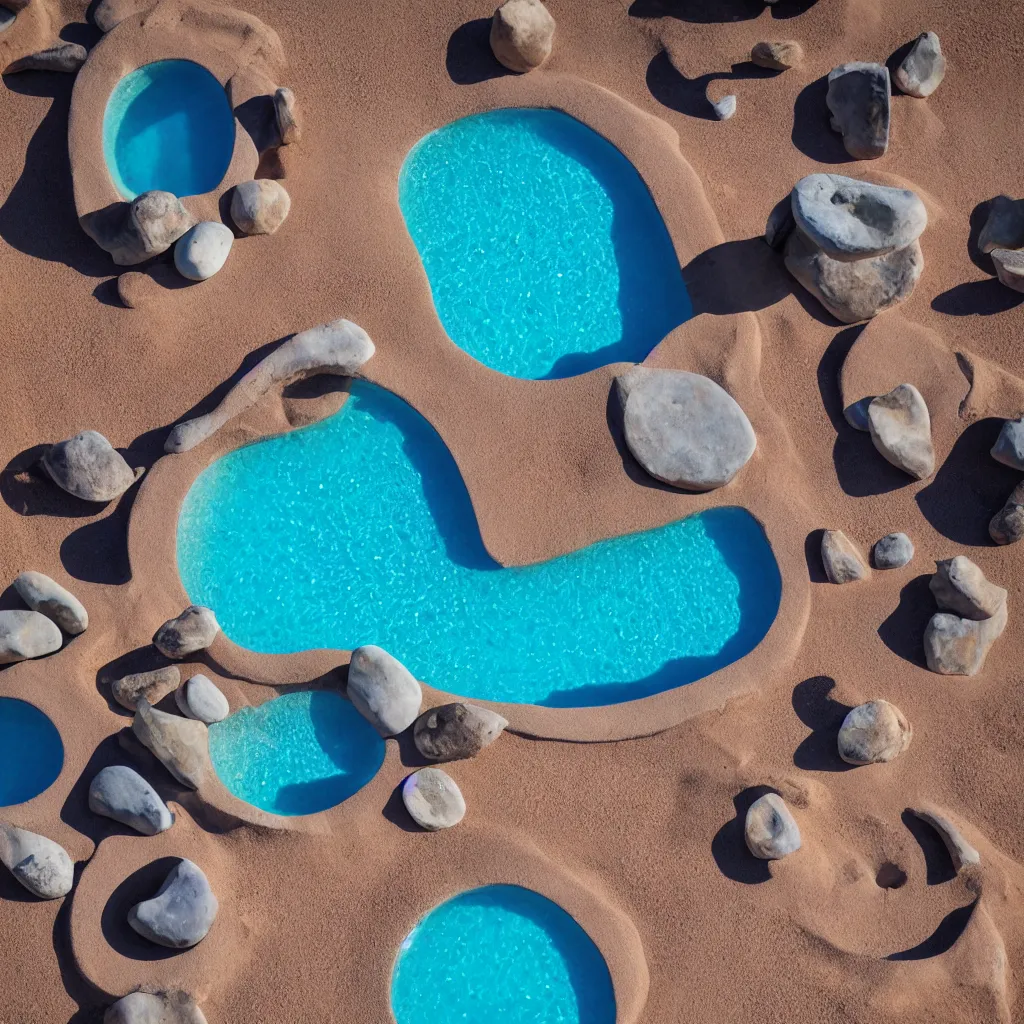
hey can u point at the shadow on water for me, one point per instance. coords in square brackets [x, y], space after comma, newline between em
[823, 715]
[729, 847]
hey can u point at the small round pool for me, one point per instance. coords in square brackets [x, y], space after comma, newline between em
[296, 754]
[501, 953]
[31, 751]
[168, 126]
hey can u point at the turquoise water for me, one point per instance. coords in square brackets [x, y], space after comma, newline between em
[500, 954]
[359, 530]
[31, 751]
[168, 126]
[545, 252]
[296, 754]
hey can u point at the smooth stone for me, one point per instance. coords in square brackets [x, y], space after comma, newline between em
[778, 56]
[954, 646]
[842, 559]
[191, 631]
[959, 586]
[724, 108]
[259, 207]
[153, 686]
[522, 34]
[893, 551]
[339, 347]
[286, 116]
[155, 1008]
[199, 698]
[874, 733]
[65, 57]
[1004, 226]
[49, 598]
[121, 793]
[89, 467]
[856, 414]
[961, 853]
[1007, 525]
[203, 250]
[383, 690]
[923, 69]
[770, 829]
[181, 745]
[25, 635]
[433, 800]
[858, 290]
[1009, 264]
[780, 224]
[454, 731]
[135, 232]
[858, 98]
[181, 913]
[1009, 446]
[39, 864]
[901, 430]
[683, 428]
[854, 220]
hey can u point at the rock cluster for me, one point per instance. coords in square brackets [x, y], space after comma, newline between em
[433, 800]
[200, 699]
[383, 690]
[259, 207]
[972, 617]
[858, 99]
[39, 864]
[203, 250]
[152, 686]
[121, 793]
[1002, 237]
[49, 598]
[874, 733]
[455, 731]
[88, 466]
[901, 430]
[770, 829]
[191, 631]
[842, 559]
[155, 1008]
[923, 69]
[683, 428]
[893, 551]
[134, 232]
[181, 745]
[182, 912]
[522, 34]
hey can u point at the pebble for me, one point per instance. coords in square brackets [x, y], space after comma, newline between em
[433, 800]
[770, 829]
[874, 733]
[203, 250]
[893, 551]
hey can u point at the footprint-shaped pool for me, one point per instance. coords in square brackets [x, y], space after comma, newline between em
[546, 254]
[359, 530]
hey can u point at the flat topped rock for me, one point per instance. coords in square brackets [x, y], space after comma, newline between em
[153, 686]
[522, 34]
[383, 690]
[181, 913]
[155, 1008]
[770, 829]
[901, 430]
[1009, 446]
[191, 631]
[858, 98]
[49, 598]
[923, 69]
[121, 793]
[842, 559]
[39, 864]
[455, 731]
[25, 635]
[851, 220]
[199, 698]
[874, 733]
[683, 428]
[88, 467]
[433, 800]
[181, 745]
[959, 586]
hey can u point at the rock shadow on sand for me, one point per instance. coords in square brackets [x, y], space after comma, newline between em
[469, 58]
[707, 12]
[812, 132]
[824, 715]
[903, 631]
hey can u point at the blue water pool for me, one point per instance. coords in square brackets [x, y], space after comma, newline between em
[545, 252]
[503, 954]
[360, 530]
[296, 754]
[168, 126]
[31, 751]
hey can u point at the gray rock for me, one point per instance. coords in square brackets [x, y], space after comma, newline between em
[842, 560]
[770, 829]
[200, 699]
[153, 686]
[724, 108]
[259, 207]
[522, 34]
[959, 586]
[25, 635]
[856, 414]
[858, 98]
[134, 232]
[854, 220]
[454, 731]
[901, 430]
[1009, 264]
[893, 551]
[874, 733]
[780, 224]
[191, 631]
[1004, 226]
[1009, 446]
[286, 115]
[779, 56]
[383, 690]
[858, 290]
[49, 598]
[962, 854]
[88, 466]
[958, 647]
[39, 864]
[203, 250]
[181, 745]
[181, 913]
[66, 57]
[683, 428]
[433, 800]
[121, 793]
[339, 347]
[1007, 525]
[155, 1008]
[923, 69]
